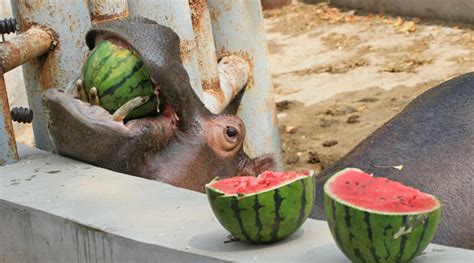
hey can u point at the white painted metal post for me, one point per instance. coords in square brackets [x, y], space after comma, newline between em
[238, 29]
[176, 15]
[105, 10]
[205, 49]
[69, 20]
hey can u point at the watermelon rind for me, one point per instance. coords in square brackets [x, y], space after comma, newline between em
[266, 216]
[366, 235]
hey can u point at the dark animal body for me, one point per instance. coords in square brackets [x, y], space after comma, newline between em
[433, 138]
[186, 147]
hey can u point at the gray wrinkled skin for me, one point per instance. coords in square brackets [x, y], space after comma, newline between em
[148, 147]
[433, 138]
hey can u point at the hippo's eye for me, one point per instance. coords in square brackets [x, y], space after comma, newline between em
[231, 131]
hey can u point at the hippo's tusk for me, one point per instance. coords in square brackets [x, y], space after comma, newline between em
[94, 97]
[125, 109]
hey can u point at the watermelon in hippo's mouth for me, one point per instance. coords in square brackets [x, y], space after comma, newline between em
[262, 209]
[118, 75]
[378, 220]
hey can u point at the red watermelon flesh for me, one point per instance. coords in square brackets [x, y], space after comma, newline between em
[249, 184]
[360, 189]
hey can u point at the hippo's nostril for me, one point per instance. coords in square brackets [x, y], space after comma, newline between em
[231, 131]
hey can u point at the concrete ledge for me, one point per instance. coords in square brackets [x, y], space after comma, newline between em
[455, 10]
[54, 209]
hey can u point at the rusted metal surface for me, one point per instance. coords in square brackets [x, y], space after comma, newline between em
[8, 150]
[105, 10]
[29, 45]
[238, 29]
[233, 75]
[68, 20]
[205, 49]
[176, 15]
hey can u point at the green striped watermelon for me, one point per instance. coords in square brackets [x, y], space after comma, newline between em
[119, 76]
[262, 209]
[377, 220]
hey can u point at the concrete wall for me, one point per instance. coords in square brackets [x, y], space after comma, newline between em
[29, 235]
[54, 209]
[455, 10]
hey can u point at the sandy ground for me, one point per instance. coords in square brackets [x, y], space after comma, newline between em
[339, 75]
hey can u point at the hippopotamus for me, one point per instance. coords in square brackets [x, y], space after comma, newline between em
[186, 145]
[433, 138]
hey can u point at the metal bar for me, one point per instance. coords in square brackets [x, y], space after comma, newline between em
[105, 10]
[238, 29]
[29, 45]
[69, 21]
[205, 49]
[177, 16]
[233, 75]
[8, 150]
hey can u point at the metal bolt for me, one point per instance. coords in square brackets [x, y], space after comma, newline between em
[8, 26]
[22, 115]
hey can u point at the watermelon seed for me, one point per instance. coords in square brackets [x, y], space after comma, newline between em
[347, 182]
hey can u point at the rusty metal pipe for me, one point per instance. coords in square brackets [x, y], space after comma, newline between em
[233, 76]
[8, 150]
[29, 45]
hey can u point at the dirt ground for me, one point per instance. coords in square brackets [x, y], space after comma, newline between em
[339, 75]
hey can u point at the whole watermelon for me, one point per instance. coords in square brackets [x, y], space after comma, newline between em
[377, 220]
[119, 76]
[262, 209]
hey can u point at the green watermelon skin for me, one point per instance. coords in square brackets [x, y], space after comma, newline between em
[265, 217]
[367, 236]
[119, 76]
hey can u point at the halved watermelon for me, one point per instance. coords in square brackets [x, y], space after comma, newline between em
[262, 209]
[378, 220]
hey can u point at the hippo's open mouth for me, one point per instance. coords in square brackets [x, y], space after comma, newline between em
[163, 124]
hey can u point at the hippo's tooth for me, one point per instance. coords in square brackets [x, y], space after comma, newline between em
[94, 97]
[124, 110]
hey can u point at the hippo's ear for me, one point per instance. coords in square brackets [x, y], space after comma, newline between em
[256, 166]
